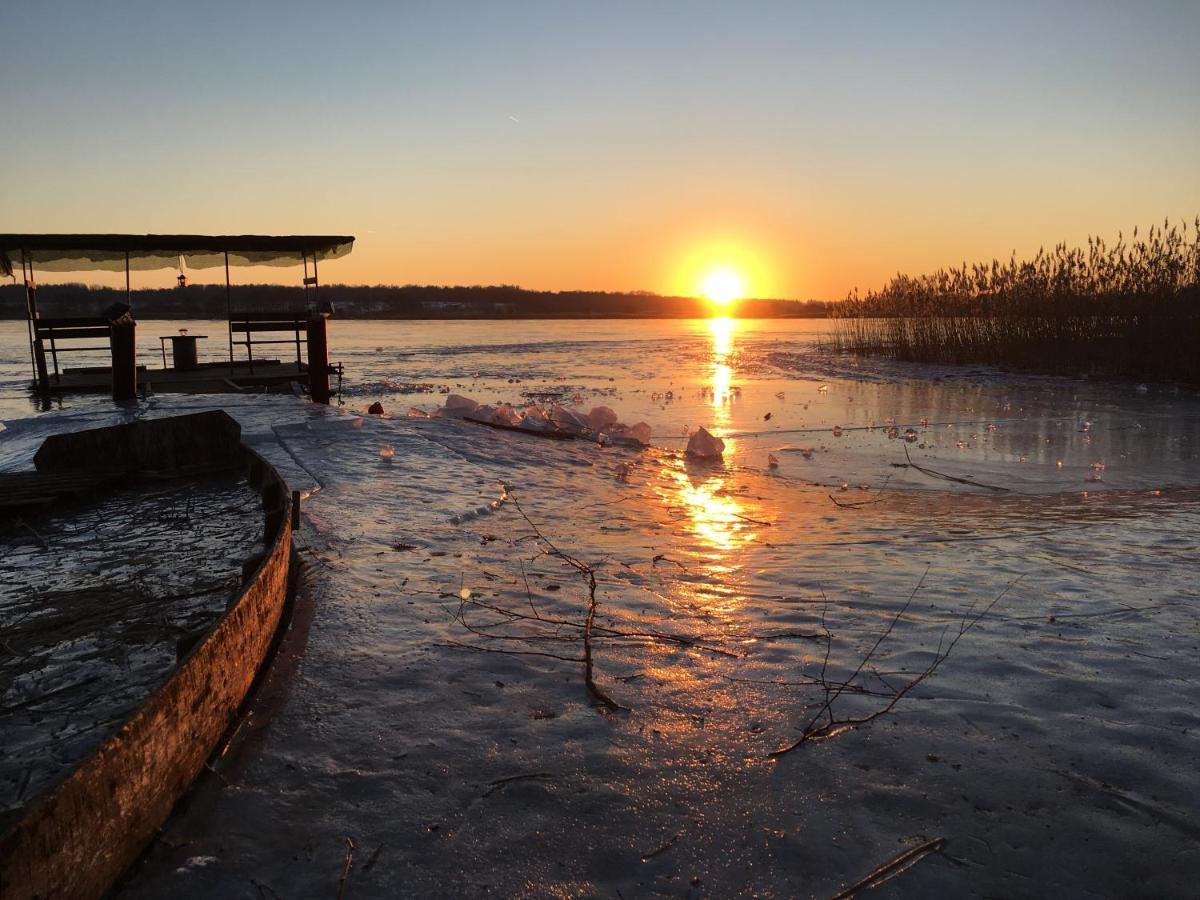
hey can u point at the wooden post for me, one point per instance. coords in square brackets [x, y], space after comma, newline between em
[318, 359]
[228, 312]
[122, 341]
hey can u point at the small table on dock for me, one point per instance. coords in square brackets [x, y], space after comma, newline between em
[183, 349]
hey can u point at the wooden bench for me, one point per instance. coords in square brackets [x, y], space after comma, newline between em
[53, 330]
[250, 324]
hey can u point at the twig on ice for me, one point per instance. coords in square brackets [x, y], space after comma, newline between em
[890, 869]
[349, 864]
[816, 729]
[932, 473]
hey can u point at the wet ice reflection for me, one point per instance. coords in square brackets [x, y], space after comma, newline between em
[715, 514]
[723, 330]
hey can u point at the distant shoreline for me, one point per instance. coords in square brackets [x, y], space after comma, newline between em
[340, 317]
[408, 302]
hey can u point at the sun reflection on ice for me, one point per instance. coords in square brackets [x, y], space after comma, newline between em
[723, 330]
[716, 514]
[717, 517]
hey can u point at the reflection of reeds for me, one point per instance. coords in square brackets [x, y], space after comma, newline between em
[1130, 309]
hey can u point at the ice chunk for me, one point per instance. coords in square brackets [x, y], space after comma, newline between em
[631, 435]
[568, 420]
[536, 414]
[772, 461]
[505, 415]
[600, 418]
[640, 433]
[703, 445]
[533, 423]
[457, 406]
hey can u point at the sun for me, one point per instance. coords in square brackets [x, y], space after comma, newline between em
[722, 286]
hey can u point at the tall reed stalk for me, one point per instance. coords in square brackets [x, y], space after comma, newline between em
[1131, 309]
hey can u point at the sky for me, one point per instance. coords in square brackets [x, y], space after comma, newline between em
[812, 148]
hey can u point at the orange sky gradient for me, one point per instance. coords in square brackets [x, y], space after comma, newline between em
[810, 149]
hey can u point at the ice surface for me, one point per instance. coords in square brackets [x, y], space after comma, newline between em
[1063, 728]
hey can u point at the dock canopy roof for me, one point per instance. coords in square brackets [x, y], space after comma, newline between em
[109, 252]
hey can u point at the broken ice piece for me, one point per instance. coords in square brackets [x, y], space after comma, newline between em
[703, 445]
[599, 418]
[457, 407]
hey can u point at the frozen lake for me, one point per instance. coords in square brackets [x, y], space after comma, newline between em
[430, 702]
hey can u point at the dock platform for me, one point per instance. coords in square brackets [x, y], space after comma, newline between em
[205, 378]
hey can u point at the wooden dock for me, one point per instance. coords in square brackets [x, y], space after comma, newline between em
[206, 378]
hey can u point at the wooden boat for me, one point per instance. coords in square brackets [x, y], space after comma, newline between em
[78, 836]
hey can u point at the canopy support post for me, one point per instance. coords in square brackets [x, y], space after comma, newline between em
[228, 312]
[28, 315]
[41, 375]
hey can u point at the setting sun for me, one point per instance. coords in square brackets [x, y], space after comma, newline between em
[722, 287]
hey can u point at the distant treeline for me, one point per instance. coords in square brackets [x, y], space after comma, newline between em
[388, 302]
[1131, 309]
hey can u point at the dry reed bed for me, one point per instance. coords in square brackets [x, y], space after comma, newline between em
[1131, 309]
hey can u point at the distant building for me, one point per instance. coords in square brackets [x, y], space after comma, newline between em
[446, 306]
